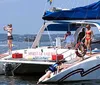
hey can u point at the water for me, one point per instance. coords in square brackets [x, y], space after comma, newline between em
[28, 80]
[16, 45]
[31, 80]
[18, 80]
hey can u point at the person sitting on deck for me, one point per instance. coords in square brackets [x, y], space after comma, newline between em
[52, 69]
[57, 67]
[69, 40]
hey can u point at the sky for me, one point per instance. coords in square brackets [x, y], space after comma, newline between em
[26, 15]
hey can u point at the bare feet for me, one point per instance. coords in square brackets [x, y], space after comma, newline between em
[90, 54]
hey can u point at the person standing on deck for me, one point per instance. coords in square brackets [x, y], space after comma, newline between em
[9, 29]
[81, 36]
[88, 37]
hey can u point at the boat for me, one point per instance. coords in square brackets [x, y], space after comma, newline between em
[87, 69]
[25, 61]
[26, 39]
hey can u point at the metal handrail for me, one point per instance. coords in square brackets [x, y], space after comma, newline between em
[15, 68]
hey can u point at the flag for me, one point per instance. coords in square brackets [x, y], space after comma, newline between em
[50, 1]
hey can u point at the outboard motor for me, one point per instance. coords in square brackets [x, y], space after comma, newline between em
[8, 69]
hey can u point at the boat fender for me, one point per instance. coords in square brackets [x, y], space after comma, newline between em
[81, 49]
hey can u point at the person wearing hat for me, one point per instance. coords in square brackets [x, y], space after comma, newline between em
[9, 29]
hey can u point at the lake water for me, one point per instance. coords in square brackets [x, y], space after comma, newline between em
[17, 80]
[31, 80]
[28, 80]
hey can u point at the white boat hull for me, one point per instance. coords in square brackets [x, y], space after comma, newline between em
[84, 71]
[34, 60]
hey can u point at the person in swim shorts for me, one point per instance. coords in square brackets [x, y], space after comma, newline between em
[9, 29]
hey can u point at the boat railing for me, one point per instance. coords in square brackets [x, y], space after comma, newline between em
[72, 54]
[67, 62]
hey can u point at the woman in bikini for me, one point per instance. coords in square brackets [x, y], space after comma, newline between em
[88, 37]
[9, 29]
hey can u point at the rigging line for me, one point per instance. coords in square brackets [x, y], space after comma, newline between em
[87, 9]
[73, 4]
[45, 7]
[61, 13]
[66, 3]
[51, 41]
[51, 4]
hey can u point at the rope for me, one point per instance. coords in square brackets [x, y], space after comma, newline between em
[51, 41]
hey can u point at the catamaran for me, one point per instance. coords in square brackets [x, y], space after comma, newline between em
[38, 58]
[88, 69]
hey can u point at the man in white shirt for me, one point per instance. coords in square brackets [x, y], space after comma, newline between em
[69, 40]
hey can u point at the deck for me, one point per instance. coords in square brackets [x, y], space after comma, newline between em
[22, 60]
[26, 61]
